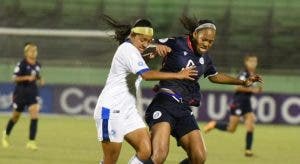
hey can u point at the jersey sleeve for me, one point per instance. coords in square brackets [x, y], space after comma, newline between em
[170, 42]
[18, 70]
[38, 71]
[242, 76]
[210, 69]
[135, 62]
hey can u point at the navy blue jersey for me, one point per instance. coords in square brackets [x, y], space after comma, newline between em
[183, 56]
[23, 68]
[242, 96]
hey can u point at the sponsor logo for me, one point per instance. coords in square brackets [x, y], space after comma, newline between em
[156, 115]
[140, 63]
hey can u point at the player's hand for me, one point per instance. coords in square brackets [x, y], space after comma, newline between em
[42, 82]
[253, 78]
[188, 73]
[162, 50]
[31, 78]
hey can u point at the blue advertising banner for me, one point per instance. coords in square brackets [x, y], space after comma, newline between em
[6, 94]
[81, 100]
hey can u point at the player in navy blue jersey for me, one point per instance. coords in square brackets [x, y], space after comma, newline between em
[116, 115]
[241, 105]
[169, 112]
[26, 76]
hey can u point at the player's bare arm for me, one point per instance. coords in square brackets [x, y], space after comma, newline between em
[222, 78]
[183, 74]
[24, 78]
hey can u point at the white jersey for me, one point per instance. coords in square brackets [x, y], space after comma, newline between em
[119, 93]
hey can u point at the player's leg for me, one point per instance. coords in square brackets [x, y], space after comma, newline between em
[137, 135]
[190, 139]
[34, 114]
[194, 146]
[111, 152]
[111, 129]
[18, 109]
[160, 139]
[139, 139]
[250, 124]
[223, 126]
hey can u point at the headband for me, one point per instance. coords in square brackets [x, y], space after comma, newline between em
[206, 25]
[143, 30]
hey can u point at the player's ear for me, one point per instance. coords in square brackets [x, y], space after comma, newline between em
[195, 34]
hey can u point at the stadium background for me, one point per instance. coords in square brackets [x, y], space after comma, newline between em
[269, 28]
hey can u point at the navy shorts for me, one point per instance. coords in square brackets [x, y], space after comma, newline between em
[240, 108]
[165, 108]
[24, 98]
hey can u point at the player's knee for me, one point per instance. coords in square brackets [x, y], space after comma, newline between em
[198, 156]
[111, 157]
[15, 118]
[159, 155]
[231, 129]
[145, 152]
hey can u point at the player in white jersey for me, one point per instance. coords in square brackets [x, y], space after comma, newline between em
[115, 114]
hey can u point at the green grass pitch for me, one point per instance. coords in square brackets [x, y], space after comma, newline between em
[65, 139]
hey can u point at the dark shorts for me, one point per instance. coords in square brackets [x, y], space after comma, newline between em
[165, 108]
[240, 108]
[23, 99]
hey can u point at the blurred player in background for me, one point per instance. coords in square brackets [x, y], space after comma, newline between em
[26, 94]
[116, 113]
[169, 112]
[241, 105]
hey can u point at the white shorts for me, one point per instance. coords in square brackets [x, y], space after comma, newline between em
[115, 128]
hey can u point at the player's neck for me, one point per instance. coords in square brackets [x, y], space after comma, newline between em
[251, 71]
[31, 61]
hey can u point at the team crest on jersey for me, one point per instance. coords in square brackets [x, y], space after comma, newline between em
[156, 115]
[190, 63]
[201, 60]
[140, 63]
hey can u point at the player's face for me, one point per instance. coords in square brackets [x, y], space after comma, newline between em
[251, 63]
[141, 42]
[204, 39]
[31, 52]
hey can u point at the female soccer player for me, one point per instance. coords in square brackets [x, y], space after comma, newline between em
[241, 106]
[170, 112]
[115, 114]
[26, 76]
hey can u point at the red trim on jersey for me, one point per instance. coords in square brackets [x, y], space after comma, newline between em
[189, 43]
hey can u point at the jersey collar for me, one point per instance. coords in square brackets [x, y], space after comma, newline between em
[189, 43]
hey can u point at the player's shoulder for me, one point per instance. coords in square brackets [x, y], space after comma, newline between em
[243, 74]
[22, 63]
[170, 40]
[38, 64]
[127, 47]
[207, 57]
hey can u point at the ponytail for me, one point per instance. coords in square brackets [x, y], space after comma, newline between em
[191, 24]
[121, 30]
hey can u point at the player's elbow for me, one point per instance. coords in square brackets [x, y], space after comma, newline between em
[213, 79]
[14, 79]
[147, 76]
